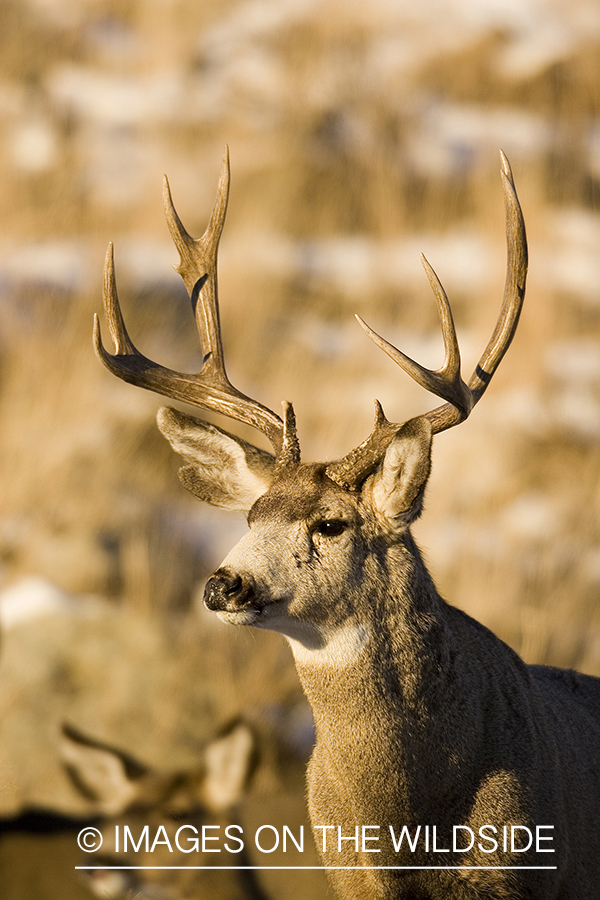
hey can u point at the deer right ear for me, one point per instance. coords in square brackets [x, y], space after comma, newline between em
[396, 490]
[229, 762]
[221, 468]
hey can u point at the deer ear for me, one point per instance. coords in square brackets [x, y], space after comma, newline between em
[229, 762]
[221, 469]
[396, 490]
[107, 777]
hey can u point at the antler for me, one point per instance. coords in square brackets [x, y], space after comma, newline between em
[210, 388]
[447, 382]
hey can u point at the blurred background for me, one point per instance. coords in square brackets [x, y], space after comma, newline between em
[360, 135]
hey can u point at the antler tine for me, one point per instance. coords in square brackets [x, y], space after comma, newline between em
[210, 388]
[289, 453]
[445, 382]
[112, 310]
[198, 268]
[514, 287]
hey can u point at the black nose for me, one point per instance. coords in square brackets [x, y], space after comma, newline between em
[227, 590]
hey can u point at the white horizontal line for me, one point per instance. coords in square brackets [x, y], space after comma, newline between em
[299, 868]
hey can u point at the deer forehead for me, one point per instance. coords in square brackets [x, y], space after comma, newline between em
[305, 494]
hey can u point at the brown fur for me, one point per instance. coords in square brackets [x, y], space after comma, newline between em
[423, 716]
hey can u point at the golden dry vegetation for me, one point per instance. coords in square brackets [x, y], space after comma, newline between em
[360, 135]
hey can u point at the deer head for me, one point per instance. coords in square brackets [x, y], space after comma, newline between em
[320, 534]
[166, 807]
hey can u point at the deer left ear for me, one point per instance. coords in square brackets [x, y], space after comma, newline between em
[396, 490]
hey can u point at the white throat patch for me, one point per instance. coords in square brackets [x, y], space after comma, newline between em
[343, 648]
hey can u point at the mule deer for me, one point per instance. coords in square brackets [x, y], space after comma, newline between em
[436, 745]
[150, 815]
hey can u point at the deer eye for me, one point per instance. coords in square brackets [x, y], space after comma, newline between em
[329, 527]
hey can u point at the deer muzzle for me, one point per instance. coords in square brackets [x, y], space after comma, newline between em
[226, 591]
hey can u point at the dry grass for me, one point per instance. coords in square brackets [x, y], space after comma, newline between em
[357, 141]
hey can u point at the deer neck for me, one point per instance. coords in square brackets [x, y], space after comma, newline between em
[386, 689]
[385, 645]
